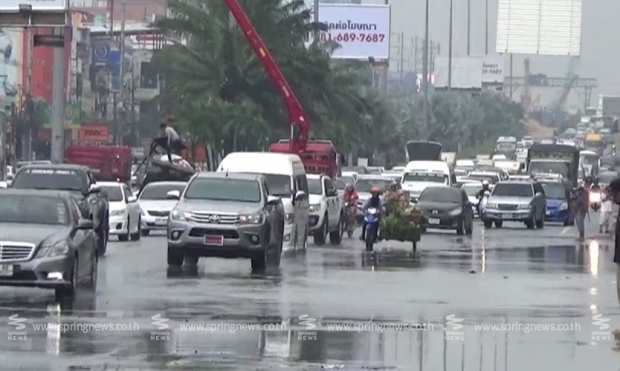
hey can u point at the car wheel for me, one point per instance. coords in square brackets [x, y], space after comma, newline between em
[566, 222]
[499, 223]
[69, 291]
[469, 228]
[175, 257]
[103, 243]
[335, 237]
[459, 229]
[259, 261]
[92, 279]
[321, 235]
[125, 236]
[145, 232]
[276, 248]
[488, 223]
[136, 236]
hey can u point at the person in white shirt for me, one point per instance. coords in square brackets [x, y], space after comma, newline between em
[607, 208]
[170, 141]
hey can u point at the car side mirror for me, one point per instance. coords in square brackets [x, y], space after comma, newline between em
[300, 196]
[331, 193]
[173, 195]
[94, 188]
[131, 199]
[85, 224]
[273, 200]
[539, 194]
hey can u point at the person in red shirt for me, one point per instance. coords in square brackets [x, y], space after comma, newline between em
[350, 195]
[350, 202]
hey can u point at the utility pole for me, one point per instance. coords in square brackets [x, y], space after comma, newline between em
[450, 47]
[402, 56]
[316, 10]
[29, 104]
[425, 65]
[58, 101]
[121, 92]
[468, 27]
[486, 28]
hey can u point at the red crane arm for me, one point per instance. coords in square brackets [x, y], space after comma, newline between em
[297, 116]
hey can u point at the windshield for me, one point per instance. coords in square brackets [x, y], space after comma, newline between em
[160, 191]
[279, 185]
[341, 183]
[425, 177]
[114, 193]
[554, 191]
[67, 180]
[482, 177]
[589, 159]
[314, 186]
[472, 190]
[506, 146]
[223, 190]
[513, 190]
[365, 185]
[32, 209]
[441, 194]
[549, 167]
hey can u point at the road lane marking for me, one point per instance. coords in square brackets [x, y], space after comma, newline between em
[564, 231]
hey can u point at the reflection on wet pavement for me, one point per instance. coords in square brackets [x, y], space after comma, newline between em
[169, 320]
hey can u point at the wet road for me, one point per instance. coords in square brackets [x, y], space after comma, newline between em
[511, 275]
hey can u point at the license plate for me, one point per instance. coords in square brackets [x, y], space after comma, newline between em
[6, 270]
[548, 213]
[214, 240]
[433, 221]
[161, 221]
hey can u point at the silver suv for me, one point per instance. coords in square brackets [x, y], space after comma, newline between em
[226, 215]
[520, 201]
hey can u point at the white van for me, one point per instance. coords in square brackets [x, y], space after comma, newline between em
[421, 174]
[286, 178]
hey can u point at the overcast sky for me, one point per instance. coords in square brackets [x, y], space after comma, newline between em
[600, 53]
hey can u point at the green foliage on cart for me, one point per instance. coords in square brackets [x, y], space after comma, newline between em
[401, 222]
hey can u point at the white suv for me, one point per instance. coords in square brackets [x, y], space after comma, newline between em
[326, 210]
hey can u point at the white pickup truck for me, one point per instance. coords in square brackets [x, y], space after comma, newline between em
[326, 210]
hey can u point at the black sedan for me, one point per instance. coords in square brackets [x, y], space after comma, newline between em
[45, 242]
[446, 208]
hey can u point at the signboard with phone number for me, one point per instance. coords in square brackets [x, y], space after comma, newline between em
[362, 31]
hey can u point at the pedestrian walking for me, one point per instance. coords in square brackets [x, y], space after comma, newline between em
[582, 202]
[607, 208]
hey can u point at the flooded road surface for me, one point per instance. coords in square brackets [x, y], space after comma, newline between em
[503, 299]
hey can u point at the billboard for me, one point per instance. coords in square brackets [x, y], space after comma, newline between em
[105, 66]
[37, 5]
[493, 69]
[362, 31]
[466, 72]
[11, 72]
[539, 27]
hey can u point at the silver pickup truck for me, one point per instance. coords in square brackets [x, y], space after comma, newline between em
[226, 215]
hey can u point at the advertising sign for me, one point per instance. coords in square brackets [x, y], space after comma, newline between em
[93, 133]
[362, 31]
[539, 27]
[493, 69]
[466, 73]
[105, 66]
[37, 5]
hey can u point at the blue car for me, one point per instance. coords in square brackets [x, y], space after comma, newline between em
[558, 203]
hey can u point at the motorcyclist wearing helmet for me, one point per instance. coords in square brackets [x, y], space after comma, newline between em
[373, 202]
[350, 195]
[485, 189]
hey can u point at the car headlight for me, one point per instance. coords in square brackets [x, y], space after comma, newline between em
[178, 215]
[314, 208]
[290, 218]
[59, 249]
[251, 218]
[523, 207]
[564, 206]
[455, 212]
[117, 212]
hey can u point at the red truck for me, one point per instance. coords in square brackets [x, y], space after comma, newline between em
[109, 163]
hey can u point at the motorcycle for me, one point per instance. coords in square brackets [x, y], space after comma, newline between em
[351, 209]
[595, 199]
[372, 227]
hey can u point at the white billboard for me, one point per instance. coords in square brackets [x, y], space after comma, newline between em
[551, 27]
[493, 69]
[37, 5]
[466, 72]
[362, 31]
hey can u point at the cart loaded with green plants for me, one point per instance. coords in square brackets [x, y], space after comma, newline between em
[402, 222]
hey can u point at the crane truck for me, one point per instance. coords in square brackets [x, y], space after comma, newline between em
[318, 157]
